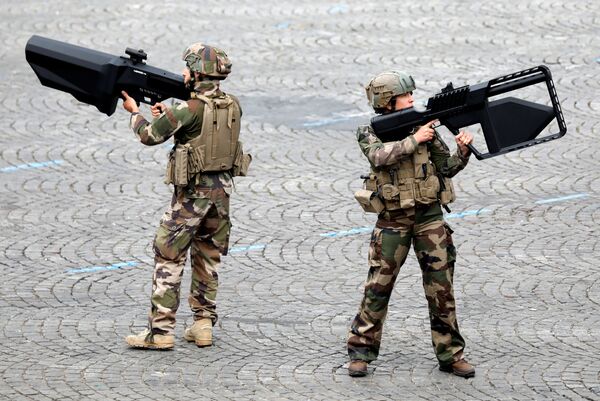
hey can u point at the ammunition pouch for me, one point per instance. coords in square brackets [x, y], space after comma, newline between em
[369, 201]
[181, 165]
[426, 191]
[392, 199]
[410, 192]
[185, 161]
[447, 194]
[178, 172]
[170, 166]
[241, 162]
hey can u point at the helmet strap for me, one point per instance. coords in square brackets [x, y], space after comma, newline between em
[392, 104]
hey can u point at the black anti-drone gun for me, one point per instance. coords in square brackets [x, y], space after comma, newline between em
[98, 78]
[508, 123]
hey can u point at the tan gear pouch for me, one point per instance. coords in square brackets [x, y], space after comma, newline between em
[447, 195]
[398, 197]
[407, 195]
[181, 165]
[241, 163]
[195, 160]
[371, 183]
[427, 190]
[369, 201]
[391, 196]
[169, 172]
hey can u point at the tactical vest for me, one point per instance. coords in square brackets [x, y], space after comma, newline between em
[217, 146]
[411, 182]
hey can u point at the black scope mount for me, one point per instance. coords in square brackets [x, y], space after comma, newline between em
[137, 56]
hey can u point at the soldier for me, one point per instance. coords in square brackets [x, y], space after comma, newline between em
[206, 155]
[408, 184]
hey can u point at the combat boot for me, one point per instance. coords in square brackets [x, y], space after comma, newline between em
[200, 333]
[357, 368]
[148, 341]
[460, 368]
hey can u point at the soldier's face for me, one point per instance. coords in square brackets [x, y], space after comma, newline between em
[404, 101]
[186, 75]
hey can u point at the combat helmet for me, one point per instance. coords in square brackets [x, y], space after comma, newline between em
[383, 87]
[207, 60]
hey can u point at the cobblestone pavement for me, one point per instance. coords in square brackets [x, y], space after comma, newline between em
[80, 199]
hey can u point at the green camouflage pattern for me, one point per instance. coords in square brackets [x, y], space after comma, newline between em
[198, 222]
[389, 247]
[207, 60]
[381, 155]
[207, 88]
[446, 164]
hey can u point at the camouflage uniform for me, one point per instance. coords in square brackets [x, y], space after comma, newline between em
[197, 219]
[424, 226]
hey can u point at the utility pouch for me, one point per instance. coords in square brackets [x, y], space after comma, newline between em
[181, 165]
[169, 172]
[447, 194]
[196, 159]
[241, 163]
[406, 194]
[427, 190]
[371, 182]
[369, 201]
[391, 196]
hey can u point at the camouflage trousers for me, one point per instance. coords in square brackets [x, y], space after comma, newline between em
[388, 250]
[199, 223]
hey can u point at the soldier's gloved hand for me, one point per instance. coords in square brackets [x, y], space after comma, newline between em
[157, 109]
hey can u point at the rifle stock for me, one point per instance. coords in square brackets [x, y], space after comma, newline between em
[508, 124]
[97, 78]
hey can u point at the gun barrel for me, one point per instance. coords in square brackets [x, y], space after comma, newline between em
[512, 84]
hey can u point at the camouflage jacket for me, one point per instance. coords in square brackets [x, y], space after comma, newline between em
[381, 155]
[181, 121]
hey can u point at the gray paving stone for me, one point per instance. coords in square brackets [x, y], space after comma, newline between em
[527, 281]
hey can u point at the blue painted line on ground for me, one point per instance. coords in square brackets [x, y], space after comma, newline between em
[125, 265]
[562, 198]
[31, 166]
[94, 269]
[332, 234]
[344, 233]
[247, 248]
[283, 25]
[460, 215]
[338, 9]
